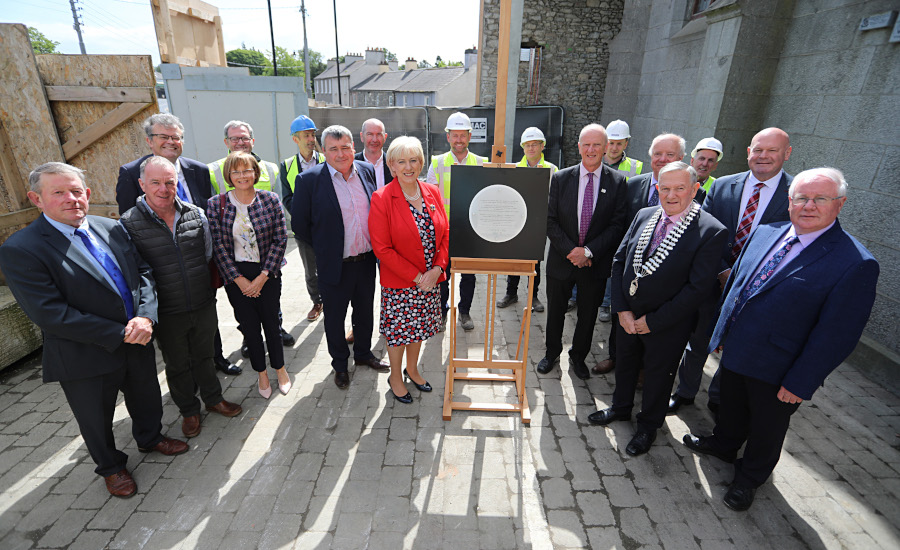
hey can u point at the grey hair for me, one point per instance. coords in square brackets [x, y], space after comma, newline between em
[681, 143]
[592, 127]
[163, 119]
[337, 132]
[238, 124]
[53, 168]
[833, 174]
[679, 166]
[372, 121]
[157, 161]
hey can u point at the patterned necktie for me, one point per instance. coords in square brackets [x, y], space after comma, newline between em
[109, 265]
[764, 274]
[746, 224]
[659, 234]
[587, 209]
[182, 194]
[654, 197]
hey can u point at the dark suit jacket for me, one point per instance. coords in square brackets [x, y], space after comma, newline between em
[196, 175]
[316, 216]
[395, 235]
[63, 291]
[724, 200]
[638, 193]
[604, 232]
[682, 282]
[387, 171]
[804, 321]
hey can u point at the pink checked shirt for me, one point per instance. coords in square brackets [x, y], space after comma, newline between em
[354, 201]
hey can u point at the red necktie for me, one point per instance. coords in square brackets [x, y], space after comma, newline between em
[743, 229]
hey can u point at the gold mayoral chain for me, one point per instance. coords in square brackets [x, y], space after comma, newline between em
[642, 269]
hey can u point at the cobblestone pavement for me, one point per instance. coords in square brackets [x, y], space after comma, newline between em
[325, 468]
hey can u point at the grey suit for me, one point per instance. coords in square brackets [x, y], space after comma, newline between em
[82, 317]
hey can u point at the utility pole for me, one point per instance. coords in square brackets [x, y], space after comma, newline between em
[305, 49]
[77, 26]
[337, 52]
[272, 34]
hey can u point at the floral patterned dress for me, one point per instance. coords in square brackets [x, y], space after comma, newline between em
[409, 315]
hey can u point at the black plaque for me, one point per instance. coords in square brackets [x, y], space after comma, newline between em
[498, 212]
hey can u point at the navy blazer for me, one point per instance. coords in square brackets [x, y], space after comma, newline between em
[387, 171]
[687, 277]
[62, 290]
[196, 175]
[804, 321]
[638, 193]
[724, 200]
[604, 232]
[316, 216]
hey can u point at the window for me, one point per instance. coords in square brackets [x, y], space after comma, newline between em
[700, 6]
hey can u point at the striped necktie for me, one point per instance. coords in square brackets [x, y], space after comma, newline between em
[746, 224]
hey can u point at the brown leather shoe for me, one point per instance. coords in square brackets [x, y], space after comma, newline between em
[349, 337]
[373, 363]
[603, 367]
[225, 408]
[168, 446]
[121, 484]
[314, 312]
[190, 426]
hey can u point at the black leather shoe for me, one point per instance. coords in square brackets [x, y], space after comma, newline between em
[507, 300]
[342, 380]
[372, 363]
[640, 443]
[676, 401]
[224, 365]
[245, 349]
[579, 369]
[536, 305]
[739, 498]
[605, 416]
[546, 365]
[426, 387]
[286, 339]
[405, 399]
[703, 445]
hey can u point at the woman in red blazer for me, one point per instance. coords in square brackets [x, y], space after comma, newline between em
[410, 236]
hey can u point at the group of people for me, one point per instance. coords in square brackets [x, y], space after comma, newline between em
[754, 264]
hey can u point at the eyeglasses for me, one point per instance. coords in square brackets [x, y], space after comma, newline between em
[247, 172]
[819, 201]
[240, 139]
[167, 137]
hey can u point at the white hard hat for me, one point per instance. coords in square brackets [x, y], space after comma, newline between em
[710, 143]
[532, 134]
[618, 129]
[458, 121]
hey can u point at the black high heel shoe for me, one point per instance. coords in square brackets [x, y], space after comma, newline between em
[426, 387]
[405, 399]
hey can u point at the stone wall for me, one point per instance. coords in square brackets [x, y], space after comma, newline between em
[574, 36]
[836, 92]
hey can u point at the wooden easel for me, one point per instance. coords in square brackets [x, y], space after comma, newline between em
[493, 268]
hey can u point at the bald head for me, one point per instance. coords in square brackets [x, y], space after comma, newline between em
[664, 149]
[768, 151]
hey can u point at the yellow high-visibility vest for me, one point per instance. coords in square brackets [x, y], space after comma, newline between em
[441, 165]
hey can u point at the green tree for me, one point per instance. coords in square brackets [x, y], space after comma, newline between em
[316, 65]
[254, 60]
[389, 55]
[289, 64]
[40, 43]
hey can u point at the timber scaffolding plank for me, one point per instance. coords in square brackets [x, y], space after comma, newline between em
[99, 103]
[189, 32]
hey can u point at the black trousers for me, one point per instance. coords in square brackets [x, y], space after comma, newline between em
[590, 294]
[357, 289]
[751, 411]
[658, 354]
[512, 282]
[252, 313]
[186, 342]
[93, 402]
[466, 293]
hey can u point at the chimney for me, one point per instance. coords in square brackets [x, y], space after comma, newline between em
[471, 58]
[383, 67]
[393, 65]
[410, 64]
[331, 63]
[352, 57]
[374, 56]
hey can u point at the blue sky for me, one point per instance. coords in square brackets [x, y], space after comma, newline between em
[409, 28]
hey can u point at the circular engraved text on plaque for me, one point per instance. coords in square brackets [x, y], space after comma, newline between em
[497, 213]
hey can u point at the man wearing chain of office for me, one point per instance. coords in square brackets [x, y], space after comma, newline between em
[663, 270]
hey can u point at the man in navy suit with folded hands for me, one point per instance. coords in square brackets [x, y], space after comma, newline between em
[793, 309]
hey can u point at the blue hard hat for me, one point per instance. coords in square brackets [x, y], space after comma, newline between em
[302, 123]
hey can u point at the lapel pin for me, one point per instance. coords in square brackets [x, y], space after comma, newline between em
[602, 190]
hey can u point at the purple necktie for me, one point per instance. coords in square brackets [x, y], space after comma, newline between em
[587, 209]
[659, 235]
[764, 274]
[654, 198]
